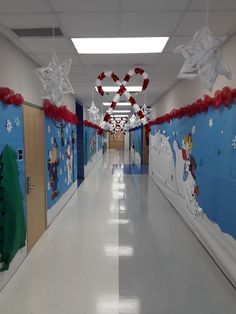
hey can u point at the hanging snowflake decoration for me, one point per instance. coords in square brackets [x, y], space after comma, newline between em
[146, 111]
[203, 58]
[234, 143]
[94, 113]
[55, 79]
[17, 122]
[9, 126]
[194, 130]
[210, 123]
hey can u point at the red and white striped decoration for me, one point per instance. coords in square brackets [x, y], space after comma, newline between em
[122, 91]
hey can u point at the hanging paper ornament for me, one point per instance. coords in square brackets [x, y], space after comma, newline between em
[203, 58]
[93, 113]
[146, 111]
[55, 79]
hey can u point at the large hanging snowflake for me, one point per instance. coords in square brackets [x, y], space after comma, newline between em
[55, 79]
[146, 111]
[203, 58]
[234, 142]
[9, 126]
[94, 113]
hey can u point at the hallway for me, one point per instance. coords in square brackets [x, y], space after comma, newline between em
[118, 247]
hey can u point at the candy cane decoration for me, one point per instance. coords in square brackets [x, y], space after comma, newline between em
[122, 91]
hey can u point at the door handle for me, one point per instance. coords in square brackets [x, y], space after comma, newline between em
[29, 186]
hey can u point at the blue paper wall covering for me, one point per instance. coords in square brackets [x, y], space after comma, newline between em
[208, 143]
[90, 143]
[99, 140]
[61, 159]
[12, 133]
[136, 140]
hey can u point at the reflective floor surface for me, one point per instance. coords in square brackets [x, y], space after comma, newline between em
[118, 247]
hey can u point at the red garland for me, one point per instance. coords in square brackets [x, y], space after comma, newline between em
[8, 97]
[59, 113]
[221, 98]
[94, 126]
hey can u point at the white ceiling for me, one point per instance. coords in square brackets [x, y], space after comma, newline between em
[178, 19]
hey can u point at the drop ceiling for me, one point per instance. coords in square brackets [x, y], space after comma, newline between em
[178, 19]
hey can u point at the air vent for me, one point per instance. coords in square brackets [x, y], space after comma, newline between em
[38, 32]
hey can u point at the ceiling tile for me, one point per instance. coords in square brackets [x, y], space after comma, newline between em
[88, 5]
[153, 5]
[171, 58]
[90, 24]
[130, 60]
[25, 6]
[220, 23]
[175, 41]
[45, 58]
[149, 23]
[45, 45]
[29, 20]
[213, 5]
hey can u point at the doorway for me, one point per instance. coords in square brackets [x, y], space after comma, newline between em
[35, 173]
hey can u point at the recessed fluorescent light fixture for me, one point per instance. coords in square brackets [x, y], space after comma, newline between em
[119, 45]
[121, 111]
[115, 88]
[118, 104]
[119, 115]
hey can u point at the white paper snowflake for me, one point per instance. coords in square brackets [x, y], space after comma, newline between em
[234, 143]
[17, 122]
[194, 130]
[203, 58]
[49, 129]
[211, 123]
[9, 126]
[55, 79]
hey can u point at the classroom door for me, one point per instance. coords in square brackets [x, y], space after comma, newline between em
[35, 173]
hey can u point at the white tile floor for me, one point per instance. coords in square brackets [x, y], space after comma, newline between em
[118, 247]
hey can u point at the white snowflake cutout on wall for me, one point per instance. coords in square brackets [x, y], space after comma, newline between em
[194, 130]
[9, 126]
[211, 123]
[17, 122]
[234, 143]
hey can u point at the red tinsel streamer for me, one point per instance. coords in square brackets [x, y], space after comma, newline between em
[59, 113]
[95, 126]
[222, 98]
[8, 97]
